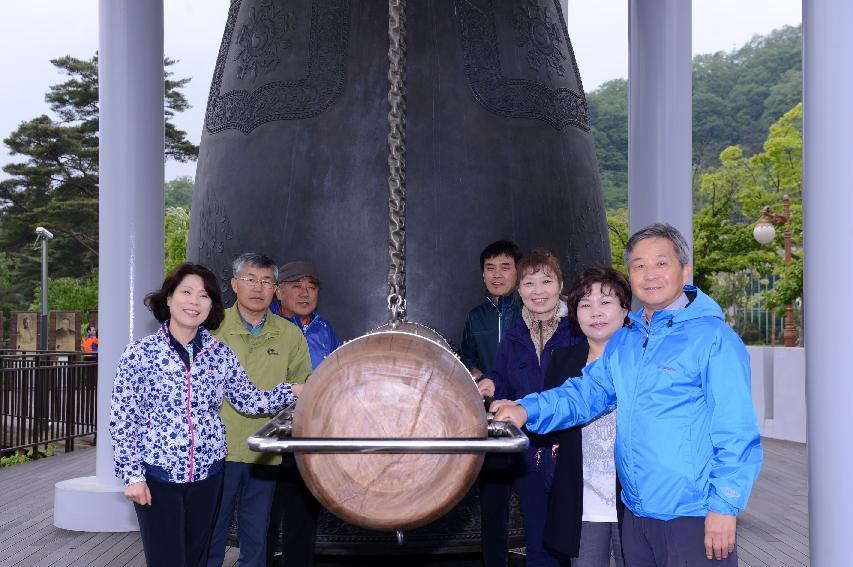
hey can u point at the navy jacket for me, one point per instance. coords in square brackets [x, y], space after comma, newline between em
[517, 372]
[485, 326]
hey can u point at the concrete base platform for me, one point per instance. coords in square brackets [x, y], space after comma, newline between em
[86, 504]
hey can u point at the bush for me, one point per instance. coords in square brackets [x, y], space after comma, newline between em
[22, 456]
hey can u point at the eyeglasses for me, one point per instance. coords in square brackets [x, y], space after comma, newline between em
[254, 282]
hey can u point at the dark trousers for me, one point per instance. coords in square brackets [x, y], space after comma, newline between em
[250, 488]
[294, 514]
[534, 507]
[599, 540]
[176, 527]
[495, 483]
[656, 543]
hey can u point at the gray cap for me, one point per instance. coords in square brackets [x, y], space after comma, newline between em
[293, 271]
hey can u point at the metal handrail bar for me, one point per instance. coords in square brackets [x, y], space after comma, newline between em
[275, 437]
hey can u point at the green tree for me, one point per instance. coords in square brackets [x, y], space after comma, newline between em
[733, 196]
[737, 96]
[8, 299]
[179, 192]
[56, 183]
[783, 96]
[175, 245]
[617, 228]
[782, 165]
[69, 294]
[608, 109]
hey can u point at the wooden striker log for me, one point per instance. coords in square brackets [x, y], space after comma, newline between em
[390, 384]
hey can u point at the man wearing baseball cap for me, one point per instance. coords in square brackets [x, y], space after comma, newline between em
[295, 510]
[297, 296]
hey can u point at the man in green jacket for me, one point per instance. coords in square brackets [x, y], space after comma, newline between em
[271, 350]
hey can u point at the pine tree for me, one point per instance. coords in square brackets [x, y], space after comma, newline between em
[55, 183]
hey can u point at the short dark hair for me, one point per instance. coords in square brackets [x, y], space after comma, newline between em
[156, 300]
[539, 259]
[499, 248]
[613, 281]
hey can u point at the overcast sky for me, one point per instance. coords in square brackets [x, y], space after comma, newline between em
[34, 31]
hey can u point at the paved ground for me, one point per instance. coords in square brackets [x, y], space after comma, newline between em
[772, 532]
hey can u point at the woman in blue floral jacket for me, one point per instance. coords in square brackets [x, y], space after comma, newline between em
[168, 440]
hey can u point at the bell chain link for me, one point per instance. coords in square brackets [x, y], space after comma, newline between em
[397, 159]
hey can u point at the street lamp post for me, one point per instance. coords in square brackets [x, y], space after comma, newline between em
[43, 235]
[764, 233]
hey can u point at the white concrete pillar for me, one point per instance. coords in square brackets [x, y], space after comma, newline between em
[132, 138]
[827, 208]
[660, 76]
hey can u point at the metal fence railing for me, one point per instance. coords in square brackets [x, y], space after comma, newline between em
[743, 303]
[46, 398]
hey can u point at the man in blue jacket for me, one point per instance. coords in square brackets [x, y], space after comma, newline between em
[687, 443]
[296, 300]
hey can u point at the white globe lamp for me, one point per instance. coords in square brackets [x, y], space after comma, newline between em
[764, 232]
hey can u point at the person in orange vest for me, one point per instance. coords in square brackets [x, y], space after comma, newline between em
[90, 343]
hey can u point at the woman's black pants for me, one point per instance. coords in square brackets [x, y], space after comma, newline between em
[176, 527]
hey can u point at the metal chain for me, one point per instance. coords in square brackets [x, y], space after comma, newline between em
[397, 159]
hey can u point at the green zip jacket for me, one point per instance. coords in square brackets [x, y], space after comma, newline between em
[278, 354]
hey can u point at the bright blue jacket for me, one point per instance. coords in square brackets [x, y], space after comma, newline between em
[322, 340]
[687, 440]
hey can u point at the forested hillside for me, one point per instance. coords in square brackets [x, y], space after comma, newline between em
[737, 96]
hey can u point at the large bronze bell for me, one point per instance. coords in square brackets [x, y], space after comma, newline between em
[293, 157]
[294, 163]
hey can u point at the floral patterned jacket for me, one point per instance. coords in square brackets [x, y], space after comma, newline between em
[165, 414]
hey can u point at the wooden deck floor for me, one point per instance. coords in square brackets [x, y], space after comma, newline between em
[773, 531]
